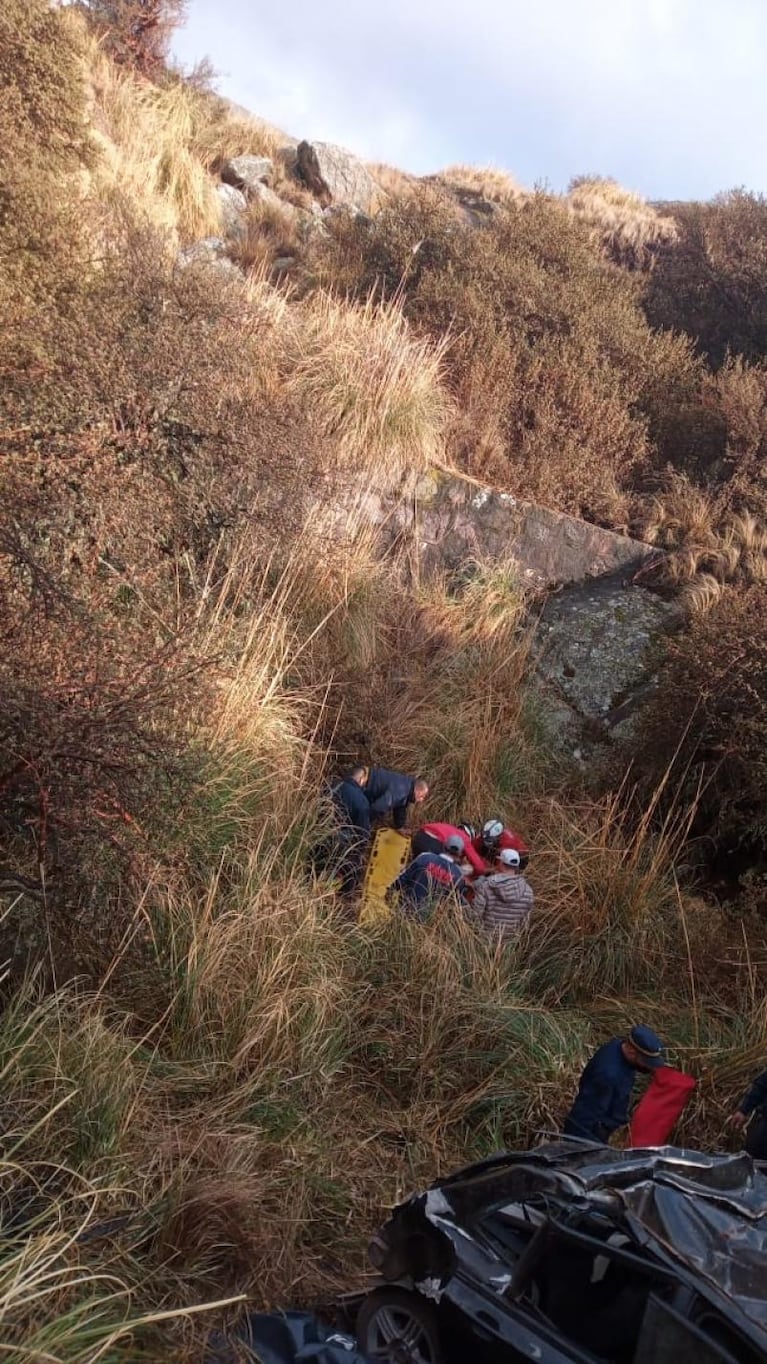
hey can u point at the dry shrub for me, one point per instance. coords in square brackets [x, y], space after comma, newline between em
[630, 231]
[710, 716]
[136, 33]
[712, 284]
[550, 359]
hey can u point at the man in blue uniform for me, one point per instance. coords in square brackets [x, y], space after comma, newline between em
[390, 793]
[604, 1094]
[754, 1101]
[430, 877]
[347, 847]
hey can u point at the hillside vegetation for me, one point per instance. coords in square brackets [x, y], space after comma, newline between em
[215, 1081]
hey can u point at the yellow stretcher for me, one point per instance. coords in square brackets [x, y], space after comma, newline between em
[389, 854]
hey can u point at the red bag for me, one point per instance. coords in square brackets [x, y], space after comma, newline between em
[660, 1107]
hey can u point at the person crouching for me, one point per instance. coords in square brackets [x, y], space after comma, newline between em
[431, 877]
[503, 900]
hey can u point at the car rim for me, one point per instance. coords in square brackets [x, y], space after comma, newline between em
[396, 1336]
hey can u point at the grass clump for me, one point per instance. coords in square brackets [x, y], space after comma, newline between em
[374, 387]
[630, 231]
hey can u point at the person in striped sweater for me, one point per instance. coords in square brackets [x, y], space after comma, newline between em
[503, 900]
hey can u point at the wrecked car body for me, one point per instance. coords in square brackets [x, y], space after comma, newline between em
[576, 1252]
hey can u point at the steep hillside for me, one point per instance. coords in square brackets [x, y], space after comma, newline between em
[215, 1079]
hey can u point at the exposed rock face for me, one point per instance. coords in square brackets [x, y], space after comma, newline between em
[454, 519]
[335, 175]
[233, 207]
[248, 173]
[598, 647]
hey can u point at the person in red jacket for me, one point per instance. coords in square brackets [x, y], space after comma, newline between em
[432, 838]
[493, 839]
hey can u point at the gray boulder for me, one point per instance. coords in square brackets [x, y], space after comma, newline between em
[209, 252]
[262, 194]
[454, 519]
[233, 206]
[335, 175]
[248, 173]
[599, 644]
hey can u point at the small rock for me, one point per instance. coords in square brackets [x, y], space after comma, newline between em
[233, 206]
[210, 252]
[248, 173]
[207, 250]
[284, 263]
[262, 194]
[347, 211]
[335, 175]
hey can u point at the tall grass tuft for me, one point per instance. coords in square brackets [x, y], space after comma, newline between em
[375, 386]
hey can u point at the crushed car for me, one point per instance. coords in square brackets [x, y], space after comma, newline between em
[575, 1252]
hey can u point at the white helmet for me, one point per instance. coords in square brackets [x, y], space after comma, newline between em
[492, 830]
[510, 857]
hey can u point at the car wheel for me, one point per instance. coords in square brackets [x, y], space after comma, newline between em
[398, 1327]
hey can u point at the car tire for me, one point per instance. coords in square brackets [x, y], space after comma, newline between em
[404, 1321]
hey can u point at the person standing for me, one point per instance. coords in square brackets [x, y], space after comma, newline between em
[753, 1105]
[503, 900]
[431, 877]
[392, 793]
[604, 1093]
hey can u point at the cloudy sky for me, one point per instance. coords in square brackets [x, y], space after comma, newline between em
[668, 96]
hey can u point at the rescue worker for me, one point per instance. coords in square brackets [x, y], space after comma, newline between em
[503, 900]
[430, 877]
[432, 838]
[348, 847]
[604, 1094]
[754, 1102]
[493, 838]
[391, 793]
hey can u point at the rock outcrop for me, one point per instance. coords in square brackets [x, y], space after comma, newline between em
[248, 173]
[335, 176]
[454, 519]
[598, 646]
[233, 206]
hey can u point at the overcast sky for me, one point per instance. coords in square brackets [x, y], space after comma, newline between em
[667, 96]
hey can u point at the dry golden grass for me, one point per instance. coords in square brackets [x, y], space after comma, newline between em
[145, 135]
[270, 231]
[630, 230]
[489, 182]
[705, 546]
[163, 145]
[394, 183]
[375, 386]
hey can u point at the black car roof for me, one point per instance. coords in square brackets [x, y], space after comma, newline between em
[705, 1214]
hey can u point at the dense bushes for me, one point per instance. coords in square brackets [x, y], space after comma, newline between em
[713, 284]
[710, 720]
[137, 32]
[549, 358]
